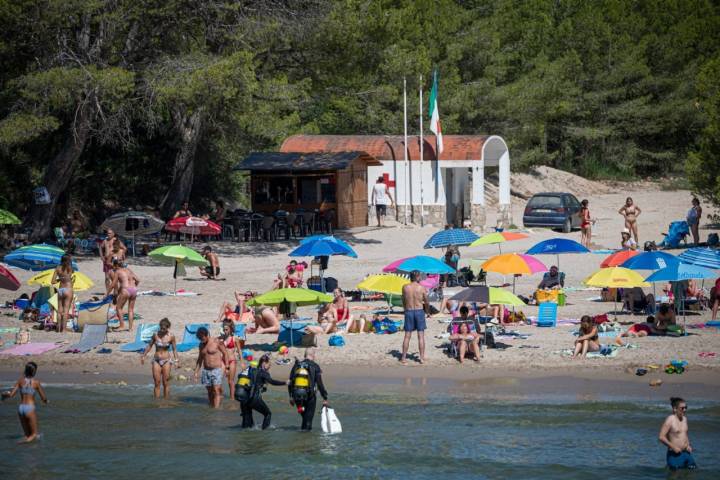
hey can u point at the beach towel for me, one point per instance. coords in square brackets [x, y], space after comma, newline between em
[93, 336]
[190, 339]
[156, 293]
[31, 349]
[142, 336]
[9, 330]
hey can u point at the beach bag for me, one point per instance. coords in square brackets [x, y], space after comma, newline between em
[713, 240]
[385, 326]
[336, 341]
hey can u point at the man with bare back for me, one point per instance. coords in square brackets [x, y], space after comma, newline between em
[674, 435]
[106, 254]
[416, 305]
[126, 283]
[212, 357]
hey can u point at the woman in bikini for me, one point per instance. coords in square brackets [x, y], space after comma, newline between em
[125, 282]
[234, 347]
[585, 224]
[588, 340]
[342, 309]
[240, 312]
[63, 275]
[693, 219]
[28, 387]
[631, 212]
[161, 364]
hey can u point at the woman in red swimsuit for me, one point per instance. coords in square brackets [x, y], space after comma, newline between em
[234, 346]
[342, 309]
[586, 224]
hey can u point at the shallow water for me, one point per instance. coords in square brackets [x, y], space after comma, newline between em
[120, 432]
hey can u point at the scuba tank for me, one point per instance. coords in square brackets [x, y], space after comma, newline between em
[301, 384]
[244, 384]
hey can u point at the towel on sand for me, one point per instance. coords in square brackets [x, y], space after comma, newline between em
[30, 349]
[606, 351]
[92, 336]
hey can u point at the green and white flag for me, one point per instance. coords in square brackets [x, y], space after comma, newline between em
[435, 115]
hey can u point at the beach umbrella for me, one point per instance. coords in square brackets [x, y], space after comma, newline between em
[498, 238]
[179, 256]
[393, 266]
[8, 280]
[557, 246]
[615, 277]
[451, 236]
[618, 258]
[323, 245]
[425, 264]
[132, 224]
[8, 218]
[80, 281]
[654, 260]
[514, 264]
[703, 257]
[680, 272]
[36, 257]
[193, 226]
[383, 283]
[490, 295]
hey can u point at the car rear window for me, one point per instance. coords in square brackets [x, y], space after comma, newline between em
[542, 201]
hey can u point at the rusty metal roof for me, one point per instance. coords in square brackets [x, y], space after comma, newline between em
[389, 147]
[301, 161]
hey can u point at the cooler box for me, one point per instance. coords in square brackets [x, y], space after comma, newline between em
[292, 334]
[544, 296]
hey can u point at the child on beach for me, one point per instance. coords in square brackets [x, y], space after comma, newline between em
[588, 340]
[28, 387]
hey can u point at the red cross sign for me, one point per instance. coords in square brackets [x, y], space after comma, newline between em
[388, 182]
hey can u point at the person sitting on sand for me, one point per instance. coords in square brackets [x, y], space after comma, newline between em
[664, 318]
[635, 300]
[327, 323]
[352, 323]
[293, 278]
[266, 321]
[693, 291]
[28, 386]
[552, 279]
[240, 312]
[588, 339]
[626, 241]
[212, 271]
[715, 299]
[465, 337]
[341, 306]
[298, 267]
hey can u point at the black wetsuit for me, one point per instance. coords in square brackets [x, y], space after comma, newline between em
[256, 402]
[316, 381]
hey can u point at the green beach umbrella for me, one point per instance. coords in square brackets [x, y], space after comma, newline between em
[298, 296]
[179, 256]
[7, 218]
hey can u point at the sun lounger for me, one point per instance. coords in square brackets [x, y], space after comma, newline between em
[142, 337]
[190, 339]
[92, 336]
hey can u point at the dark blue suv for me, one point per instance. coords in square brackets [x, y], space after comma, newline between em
[553, 210]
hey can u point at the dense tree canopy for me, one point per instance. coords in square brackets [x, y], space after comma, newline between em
[145, 103]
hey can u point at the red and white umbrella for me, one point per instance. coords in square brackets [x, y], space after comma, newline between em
[193, 226]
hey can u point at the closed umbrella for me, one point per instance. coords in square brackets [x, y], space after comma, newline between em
[132, 224]
[179, 256]
[557, 246]
[615, 277]
[8, 218]
[498, 238]
[618, 258]
[8, 280]
[451, 236]
[80, 281]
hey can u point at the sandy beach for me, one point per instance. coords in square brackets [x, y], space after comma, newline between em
[251, 266]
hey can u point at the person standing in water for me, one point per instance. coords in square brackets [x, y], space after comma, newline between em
[234, 346]
[28, 387]
[674, 435]
[416, 305]
[63, 274]
[126, 282]
[693, 219]
[163, 341]
[631, 212]
[249, 389]
[305, 379]
[212, 357]
[381, 198]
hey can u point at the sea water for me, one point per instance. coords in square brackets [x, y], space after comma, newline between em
[102, 431]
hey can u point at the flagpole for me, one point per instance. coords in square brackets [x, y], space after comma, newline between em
[422, 193]
[406, 165]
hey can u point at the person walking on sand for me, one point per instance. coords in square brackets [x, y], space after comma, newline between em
[381, 198]
[212, 271]
[212, 357]
[416, 305]
[28, 387]
[693, 219]
[163, 341]
[585, 224]
[631, 212]
[63, 275]
[674, 435]
[126, 282]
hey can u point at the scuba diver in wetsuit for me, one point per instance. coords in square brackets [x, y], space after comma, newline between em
[305, 378]
[249, 389]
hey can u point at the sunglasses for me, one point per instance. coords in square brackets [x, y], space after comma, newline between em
[683, 409]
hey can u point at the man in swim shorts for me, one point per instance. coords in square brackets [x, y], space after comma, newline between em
[674, 435]
[416, 305]
[212, 357]
[212, 271]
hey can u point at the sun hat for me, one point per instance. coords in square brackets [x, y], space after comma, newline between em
[625, 230]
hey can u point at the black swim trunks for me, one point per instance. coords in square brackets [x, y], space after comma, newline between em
[209, 271]
[381, 209]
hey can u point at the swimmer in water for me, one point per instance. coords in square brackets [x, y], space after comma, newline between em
[162, 364]
[28, 387]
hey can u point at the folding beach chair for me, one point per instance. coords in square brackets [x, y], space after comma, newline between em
[92, 336]
[547, 314]
[190, 339]
[142, 337]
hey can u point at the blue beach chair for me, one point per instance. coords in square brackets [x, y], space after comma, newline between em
[190, 339]
[142, 338]
[547, 314]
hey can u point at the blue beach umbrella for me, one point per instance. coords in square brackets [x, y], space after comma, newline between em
[451, 236]
[36, 257]
[425, 264]
[679, 272]
[556, 246]
[651, 261]
[703, 257]
[323, 245]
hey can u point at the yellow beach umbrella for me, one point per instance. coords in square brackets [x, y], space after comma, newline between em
[80, 281]
[616, 277]
[383, 283]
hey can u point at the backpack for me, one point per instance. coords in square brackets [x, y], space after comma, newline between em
[244, 384]
[303, 383]
[713, 240]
